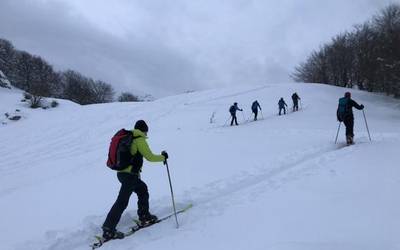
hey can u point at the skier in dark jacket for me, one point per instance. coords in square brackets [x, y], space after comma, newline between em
[282, 105]
[345, 114]
[233, 110]
[254, 107]
[295, 98]
[131, 182]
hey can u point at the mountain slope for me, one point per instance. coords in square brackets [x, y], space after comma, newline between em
[279, 183]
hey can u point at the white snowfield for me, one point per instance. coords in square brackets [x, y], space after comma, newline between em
[276, 184]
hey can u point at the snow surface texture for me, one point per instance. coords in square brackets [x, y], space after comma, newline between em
[276, 184]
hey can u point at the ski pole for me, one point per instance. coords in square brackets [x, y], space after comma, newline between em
[172, 194]
[337, 134]
[366, 124]
[262, 116]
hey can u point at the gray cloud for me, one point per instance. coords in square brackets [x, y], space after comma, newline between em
[165, 47]
[68, 40]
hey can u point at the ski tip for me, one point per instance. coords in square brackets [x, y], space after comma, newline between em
[190, 205]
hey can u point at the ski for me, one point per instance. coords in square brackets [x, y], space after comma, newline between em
[100, 240]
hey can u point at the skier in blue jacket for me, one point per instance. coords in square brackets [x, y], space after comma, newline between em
[254, 107]
[233, 110]
[282, 105]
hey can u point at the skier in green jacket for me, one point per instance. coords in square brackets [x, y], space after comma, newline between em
[131, 182]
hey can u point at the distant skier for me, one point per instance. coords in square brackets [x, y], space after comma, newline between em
[254, 108]
[345, 114]
[295, 98]
[233, 110]
[131, 182]
[282, 105]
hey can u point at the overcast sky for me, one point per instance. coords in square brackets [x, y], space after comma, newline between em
[164, 47]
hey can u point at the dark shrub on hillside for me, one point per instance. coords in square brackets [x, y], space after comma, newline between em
[128, 97]
[54, 104]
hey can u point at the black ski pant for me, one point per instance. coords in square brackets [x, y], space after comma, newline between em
[129, 183]
[284, 110]
[349, 123]
[234, 119]
[295, 106]
[255, 114]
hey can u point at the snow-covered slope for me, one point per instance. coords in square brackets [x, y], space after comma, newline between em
[280, 183]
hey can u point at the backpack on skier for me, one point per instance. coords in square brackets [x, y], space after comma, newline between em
[254, 106]
[232, 109]
[342, 108]
[119, 155]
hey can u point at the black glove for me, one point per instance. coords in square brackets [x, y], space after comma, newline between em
[362, 106]
[165, 154]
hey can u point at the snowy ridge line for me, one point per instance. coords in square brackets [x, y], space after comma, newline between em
[228, 96]
[170, 110]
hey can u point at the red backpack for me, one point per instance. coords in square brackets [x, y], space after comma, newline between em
[119, 155]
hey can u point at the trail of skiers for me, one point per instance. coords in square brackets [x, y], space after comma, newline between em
[344, 112]
[255, 107]
[128, 148]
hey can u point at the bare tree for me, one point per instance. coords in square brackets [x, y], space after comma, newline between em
[387, 24]
[4, 82]
[76, 87]
[37, 77]
[84, 90]
[44, 81]
[128, 97]
[7, 55]
[102, 92]
[367, 57]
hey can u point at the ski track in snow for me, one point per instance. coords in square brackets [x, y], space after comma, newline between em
[290, 168]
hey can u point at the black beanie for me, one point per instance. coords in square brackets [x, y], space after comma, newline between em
[142, 126]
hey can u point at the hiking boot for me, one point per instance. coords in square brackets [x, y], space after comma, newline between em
[348, 140]
[147, 219]
[109, 234]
